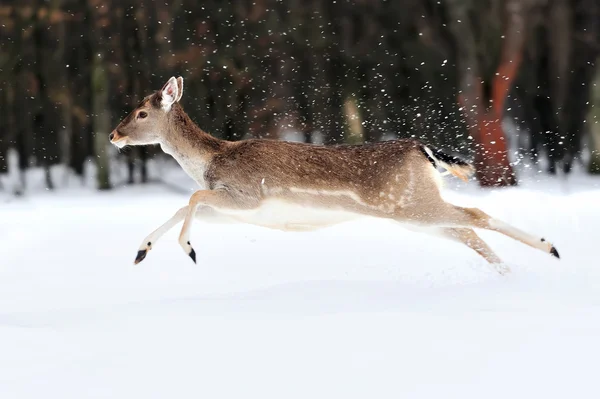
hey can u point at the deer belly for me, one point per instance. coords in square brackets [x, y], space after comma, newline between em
[282, 215]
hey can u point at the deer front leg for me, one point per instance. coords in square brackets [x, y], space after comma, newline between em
[220, 200]
[156, 234]
[205, 213]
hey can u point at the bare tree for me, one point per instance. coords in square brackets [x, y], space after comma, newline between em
[99, 12]
[490, 38]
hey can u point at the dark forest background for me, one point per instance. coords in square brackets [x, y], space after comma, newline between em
[498, 81]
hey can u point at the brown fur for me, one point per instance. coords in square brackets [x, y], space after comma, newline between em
[365, 170]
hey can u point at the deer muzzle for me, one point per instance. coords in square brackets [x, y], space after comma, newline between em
[117, 138]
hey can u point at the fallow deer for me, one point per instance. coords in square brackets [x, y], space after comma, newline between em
[296, 186]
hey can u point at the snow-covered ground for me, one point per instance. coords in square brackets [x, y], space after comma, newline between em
[361, 310]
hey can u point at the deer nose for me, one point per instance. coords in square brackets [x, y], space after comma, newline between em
[111, 136]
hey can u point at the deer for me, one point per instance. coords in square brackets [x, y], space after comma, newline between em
[292, 186]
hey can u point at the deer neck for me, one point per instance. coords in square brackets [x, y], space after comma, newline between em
[191, 147]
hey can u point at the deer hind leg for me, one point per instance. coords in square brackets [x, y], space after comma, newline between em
[217, 200]
[473, 241]
[451, 215]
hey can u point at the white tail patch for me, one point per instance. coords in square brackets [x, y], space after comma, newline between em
[438, 178]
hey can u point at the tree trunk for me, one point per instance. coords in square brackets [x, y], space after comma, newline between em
[101, 123]
[585, 52]
[78, 74]
[6, 126]
[100, 120]
[594, 126]
[491, 157]
[594, 167]
[65, 133]
[45, 118]
[483, 108]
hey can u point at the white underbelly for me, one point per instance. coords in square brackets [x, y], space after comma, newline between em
[282, 215]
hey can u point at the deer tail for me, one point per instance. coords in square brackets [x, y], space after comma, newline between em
[458, 167]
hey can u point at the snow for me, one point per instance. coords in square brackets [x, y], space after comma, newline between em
[363, 309]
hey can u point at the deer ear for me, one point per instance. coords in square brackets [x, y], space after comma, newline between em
[179, 88]
[169, 94]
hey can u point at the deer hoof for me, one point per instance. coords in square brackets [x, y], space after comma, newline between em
[188, 249]
[141, 254]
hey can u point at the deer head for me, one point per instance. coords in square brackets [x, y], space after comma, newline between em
[149, 120]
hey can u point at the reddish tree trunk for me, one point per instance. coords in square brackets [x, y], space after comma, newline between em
[493, 167]
[484, 109]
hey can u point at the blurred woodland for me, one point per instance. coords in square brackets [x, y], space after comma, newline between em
[498, 81]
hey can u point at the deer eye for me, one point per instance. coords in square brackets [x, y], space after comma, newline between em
[142, 114]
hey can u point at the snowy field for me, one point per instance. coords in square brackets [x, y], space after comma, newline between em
[361, 310]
